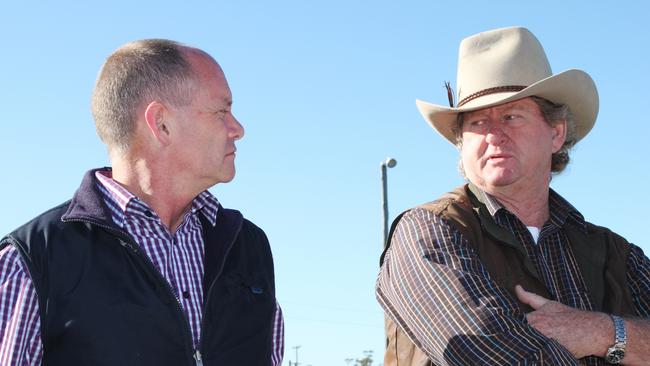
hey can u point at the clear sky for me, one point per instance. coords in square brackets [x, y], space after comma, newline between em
[326, 90]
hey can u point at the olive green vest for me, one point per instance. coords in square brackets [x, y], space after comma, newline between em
[600, 253]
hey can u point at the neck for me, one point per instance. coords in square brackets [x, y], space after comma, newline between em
[169, 199]
[529, 205]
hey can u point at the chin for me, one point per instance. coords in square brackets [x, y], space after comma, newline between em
[502, 177]
[222, 174]
[227, 177]
[499, 183]
[214, 180]
[492, 179]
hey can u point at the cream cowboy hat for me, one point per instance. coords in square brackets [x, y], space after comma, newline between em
[507, 64]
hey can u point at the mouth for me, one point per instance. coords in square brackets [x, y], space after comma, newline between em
[499, 157]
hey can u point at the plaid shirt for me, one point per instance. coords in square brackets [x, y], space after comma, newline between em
[178, 257]
[431, 271]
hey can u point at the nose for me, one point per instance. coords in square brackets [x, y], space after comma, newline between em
[236, 129]
[495, 134]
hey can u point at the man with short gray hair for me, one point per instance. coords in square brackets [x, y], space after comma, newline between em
[503, 270]
[143, 266]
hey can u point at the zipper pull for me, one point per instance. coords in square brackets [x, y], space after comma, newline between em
[197, 357]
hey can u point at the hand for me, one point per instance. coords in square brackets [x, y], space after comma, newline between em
[583, 333]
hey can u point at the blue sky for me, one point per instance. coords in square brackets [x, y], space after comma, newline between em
[326, 91]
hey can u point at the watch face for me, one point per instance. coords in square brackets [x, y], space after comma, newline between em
[615, 355]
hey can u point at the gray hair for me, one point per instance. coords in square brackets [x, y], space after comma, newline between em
[137, 73]
[553, 114]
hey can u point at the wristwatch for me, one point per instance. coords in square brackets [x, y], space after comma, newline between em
[616, 352]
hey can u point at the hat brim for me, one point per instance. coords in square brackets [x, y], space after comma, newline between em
[574, 88]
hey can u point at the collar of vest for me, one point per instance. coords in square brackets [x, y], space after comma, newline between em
[476, 197]
[87, 204]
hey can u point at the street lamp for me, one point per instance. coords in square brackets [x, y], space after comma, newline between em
[388, 163]
[296, 348]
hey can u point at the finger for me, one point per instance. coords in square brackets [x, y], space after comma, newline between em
[532, 299]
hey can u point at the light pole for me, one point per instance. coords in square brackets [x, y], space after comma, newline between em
[388, 163]
[296, 348]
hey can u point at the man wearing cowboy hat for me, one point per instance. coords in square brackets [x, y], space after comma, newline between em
[503, 270]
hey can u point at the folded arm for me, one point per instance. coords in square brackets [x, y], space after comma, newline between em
[587, 333]
[433, 285]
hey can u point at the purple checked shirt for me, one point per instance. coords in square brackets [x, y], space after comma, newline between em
[178, 256]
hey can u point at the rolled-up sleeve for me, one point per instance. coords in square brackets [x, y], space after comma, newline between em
[433, 285]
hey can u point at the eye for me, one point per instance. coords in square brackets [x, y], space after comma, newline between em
[510, 118]
[222, 113]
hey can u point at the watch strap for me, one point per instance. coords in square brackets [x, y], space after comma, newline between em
[616, 352]
[619, 330]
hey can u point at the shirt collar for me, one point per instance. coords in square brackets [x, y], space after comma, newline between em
[119, 194]
[492, 204]
[208, 205]
[560, 209]
[205, 202]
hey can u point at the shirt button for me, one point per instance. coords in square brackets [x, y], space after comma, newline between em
[148, 213]
[186, 294]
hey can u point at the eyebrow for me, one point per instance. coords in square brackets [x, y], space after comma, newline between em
[516, 106]
[473, 114]
[507, 109]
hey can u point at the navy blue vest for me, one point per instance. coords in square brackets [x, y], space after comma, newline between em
[103, 303]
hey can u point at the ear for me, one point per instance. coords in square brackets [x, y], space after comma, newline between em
[558, 135]
[156, 115]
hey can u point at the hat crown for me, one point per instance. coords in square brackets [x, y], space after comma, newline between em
[507, 64]
[501, 58]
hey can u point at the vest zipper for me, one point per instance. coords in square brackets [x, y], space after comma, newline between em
[206, 297]
[197, 357]
[132, 245]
